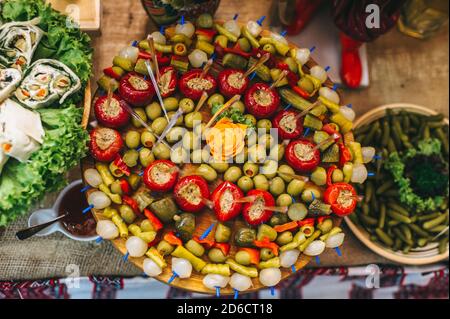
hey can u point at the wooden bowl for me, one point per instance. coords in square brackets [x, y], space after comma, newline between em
[418, 256]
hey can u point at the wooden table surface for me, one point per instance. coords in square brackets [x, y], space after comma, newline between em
[402, 69]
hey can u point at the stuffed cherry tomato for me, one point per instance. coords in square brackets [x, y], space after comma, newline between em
[193, 86]
[288, 126]
[190, 193]
[302, 156]
[224, 198]
[161, 175]
[262, 101]
[342, 197]
[112, 115]
[254, 213]
[136, 90]
[105, 144]
[232, 82]
[168, 81]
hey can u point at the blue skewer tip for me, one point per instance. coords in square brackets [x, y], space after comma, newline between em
[287, 106]
[306, 132]
[283, 33]
[313, 196]
[261, 20]
[293, 199]
[213, 56]
[252, 76]
[145, 77]
[217, 291]
[317, 260]
[99, 239]
[335, 86]
[125, 257]
[377, 157]
[144, 275]
[139, 148]
[141, 173]
[312, 49]
[371, 174]
[293, 268]
[207, 231]
[236, 293]
[272, 291]
[350, 105]
[134, 43]
[174, 275]
[182, 20]
[85, 188]
[235, 16]
[327, 68]
[88, 209]
[162, 30]
[338, 251]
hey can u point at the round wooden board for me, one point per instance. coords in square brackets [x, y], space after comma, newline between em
[203, 220]
[419, 256]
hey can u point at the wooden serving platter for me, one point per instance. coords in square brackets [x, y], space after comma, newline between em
[203, 220]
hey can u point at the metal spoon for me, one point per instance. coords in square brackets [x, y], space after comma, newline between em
[33, 230]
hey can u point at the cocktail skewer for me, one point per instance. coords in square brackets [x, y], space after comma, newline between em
[222, 109]
[207, 231]
[306, 111]
[155, 84]
[151, 45]
[255, 66]
[294, 176]
[206, 68]
[280, 209]
[280, 78]
[202, 101]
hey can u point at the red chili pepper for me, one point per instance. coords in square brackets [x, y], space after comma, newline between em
[304, 11]
[234, 50]
[261, 216]
[164, 168]
[172, 239]
[291, 76]
[330, 171]
[234, 209]
[168, 81]
[156, 223]
[328, 128]
[162, 60]
[105, 137]
[287, 133]
[205, 34]
[125, 186]
[228, 88]
[144, 55]
[334, 196]
[301, 92]
[224, 247]
[254, 255]
[266, 243]
[208, 243]
[302, 162]
[344, 154]
[194, 92]
[111, 73]
[132, 203]
[154, 242]
[351, 66]
[306, 221]
[136, 90]
[255, 106]
[286, 226]
[118, 161]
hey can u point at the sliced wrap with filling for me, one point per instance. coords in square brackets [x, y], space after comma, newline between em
[9, 80]
[45, 82]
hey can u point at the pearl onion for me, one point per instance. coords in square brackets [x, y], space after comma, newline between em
[107, 229]
[335, 240]
[233, 27]
[278, 37]
[159, 38]
[182, 267]
[348, 113]
[92, 177]
[197, 58]
[359, 174]
[315, 248]
[329, 94]
[151, 268]
[254, 28]
[130, 53]
[99, 199]
[187, 29]
[289, 257]
[240, 282]
[319, 73]
[136, 247]
[211, 281]
[269, 277]
[302, 55]
[368, 153]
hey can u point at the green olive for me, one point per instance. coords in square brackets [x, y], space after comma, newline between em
[179, 120]
[148, 139]
[215, 99]
[153, 111]
[146, 157]
[127, 214]
[159, 125]
[179, 155]
[131, 157]
[265, 230]
[222, 233]
[261, 182]
[215, 255]
[142, 115]
[325, 226]
[238, 105]
[278, 219]
[289, 171]
[297, 211]
[277, 186]
[244, 44]
[200, 156]
[319, 176]
[264, 124]
[184, 225]
[309, 194]
[295, 187]
[220, 167]
[245, 183]
[232, 174]
[170, 103]
[284, 200]
[242, 257]
[266, 254]
[164, 248]
[146, 225]
[195, 248]
[207, 172]
[250, 169]
[187, 105]
[284, 238]
[256, 153]
[292, 64]
[191, 141]
[115, 188]
[250, 118]
[132, 139]
[134, 180]
[244, 237]
[175, 134]
[191, 118]
[277, 152]
[337, 176]
[161, 151]
[269, 168]
[115, 170]
[306, 84]
[205, 21]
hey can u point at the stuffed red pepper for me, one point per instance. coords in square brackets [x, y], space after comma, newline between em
[254, 213]
[342, 197]
[224, 198]
[262, 101]
[136, 90]
[192, 85]
[288, 126]
[302, 155]
[232, 82]
[168, 81]
[112, 115]
[161, 175]
[105, 144]
[191, 192]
